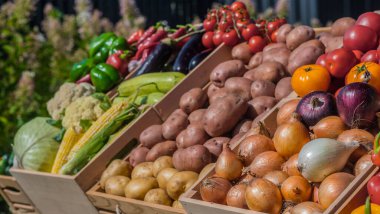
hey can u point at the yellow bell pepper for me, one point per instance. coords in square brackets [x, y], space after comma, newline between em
[375, 209]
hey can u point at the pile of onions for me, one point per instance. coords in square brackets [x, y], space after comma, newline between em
[236, 196]
[276, 177]
[329, 127]
[228, 165]
[266, 162]
[285, 112]
[364, 138]
[296, 189]
[263, 196]
[307, 207]
[290, 166]
[253, 145]
[258, 128]
[215, 189]
[290, 137]
[362, 164]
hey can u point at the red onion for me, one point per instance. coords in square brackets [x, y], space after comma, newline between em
[357, 104]
[315, 106]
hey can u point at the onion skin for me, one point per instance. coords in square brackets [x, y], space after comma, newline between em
[290, 137]
[307, 207]
[362, 164]
[253, 145]
[276, 177]
[215, 189]
[206, 169]
[332, 187]
[329, 127]
[247, 178]
[228, 165]
[364, 138]
[315, 192]
[290, 166]
[285, 112]
[357, 104]
[236, 196]
[266, 162]
[258, 128]
[263, 196]
[296, 189]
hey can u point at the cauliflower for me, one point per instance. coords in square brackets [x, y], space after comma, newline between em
[67, 93]
[84, 108]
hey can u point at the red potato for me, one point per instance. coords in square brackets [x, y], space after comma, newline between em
[307, 55]
[299, 35]
[138, 155]
[242, 52]
[196, 116]
[283, 31]
[280, 55]
[313, 42]
[243, 126]
[192, 100]
[222, 93]
[262, 88]
[193, 158]
[256, 60]
[283, 88]
[339, 27]
[274, 46]
[174, 124]
[334, 43]
[225, 70]
[212, 89]
[151, 136]
[166, 148]
[194, 134]
[260, 105]
[270, 71]
[215, 145]
[239, 85]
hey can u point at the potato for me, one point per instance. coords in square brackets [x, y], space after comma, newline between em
[313, 42]
[164, 175]
[280, 55]
[115, 185]
[151, 135]
[196, 116]
[283, 88]
[339, 27]
[256, 60]
[180, 182]
[116, 167]
[177, 204]
[307, 55]
[239, 85]
[243, 126]
[271, 46]
[242, 52]
[225, 70]
[299, 35]
[137, 188]
[193, 158]
[334, 43]
[215, 145]
[174, 124]
[138, 155]
[270, 71]
[283, 31]
[223, 114]
[262, 88]
[212, 89]
[194, 134]
[192, 100]
[161, 149]
[222, 93]
[261, 104]
[143, 170]
[158, 196]
[161, 163]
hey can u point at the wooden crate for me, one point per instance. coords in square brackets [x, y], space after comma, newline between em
[193, 203]
[199, 77]
[12, 191]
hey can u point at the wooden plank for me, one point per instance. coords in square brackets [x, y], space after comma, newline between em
[13, 191]
[320, 30]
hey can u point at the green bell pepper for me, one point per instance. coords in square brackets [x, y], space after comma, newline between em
[98, 42]
[80, 69]
[104, 77]
[101, 55]
[119, 43]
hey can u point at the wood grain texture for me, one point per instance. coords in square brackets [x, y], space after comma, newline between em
[12, 191]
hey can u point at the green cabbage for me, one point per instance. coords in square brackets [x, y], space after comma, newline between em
[34, 145]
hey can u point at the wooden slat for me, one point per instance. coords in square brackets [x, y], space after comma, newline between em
[13, 191]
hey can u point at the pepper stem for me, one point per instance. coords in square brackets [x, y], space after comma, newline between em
[367, 207]
[376, 148]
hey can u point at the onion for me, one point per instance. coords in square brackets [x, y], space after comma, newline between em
[253, 145]
[228, 165]
[285, 112]
[206, 169]
[263, 196]
[266, 162]
[246, 178]
[236, 196]
[215, 189]
[258, 128]
[307, 207]
[329, 127]
[362, 164]
[332, 187]
[315, 192]
[322, 157]
[360, 136]
[290, 166]
[276, 177]
[296, 189]
[315, 106]
[357, 104]
[290, 137]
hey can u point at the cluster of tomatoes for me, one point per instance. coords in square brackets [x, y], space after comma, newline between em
[231, 24]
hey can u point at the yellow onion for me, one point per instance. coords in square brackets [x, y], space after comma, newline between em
[329, 127]
[290, 166]
[228, 165]
[236, 196]
[253, 145]
[296, 189]
[276, 177]
[362, 164]
[364, 138]
[265, 162]
[285, 112]
[263, 196]
[307, 207]
[215, 189]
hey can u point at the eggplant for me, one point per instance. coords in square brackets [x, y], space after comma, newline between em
[188, 51]
[198, 59]
[156, 60]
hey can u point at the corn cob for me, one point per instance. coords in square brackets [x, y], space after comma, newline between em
[68, 141]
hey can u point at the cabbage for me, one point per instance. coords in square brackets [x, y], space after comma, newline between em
[34, 145]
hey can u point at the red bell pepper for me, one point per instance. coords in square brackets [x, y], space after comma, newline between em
[376, 151]
[119, 60]
[135, 36]
[373, 187]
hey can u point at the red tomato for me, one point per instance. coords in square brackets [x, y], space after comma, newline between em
[358, 54]
[371, 56]
[282, 21]
[217, 39]
[241, 14]
[230, 38]
[224, 24]
[371, 20]
[241, 23]
[237, 5]
[207, 39]
[373, 187]
[322, 60]
[212, 14]
[249, 31]
[209, 24]
[273, 36]
[360, 38]
[272, 26]
[256, 44]
[340, 61]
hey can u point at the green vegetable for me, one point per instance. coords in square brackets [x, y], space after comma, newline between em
[101, 55]
[3, 164]
[80, 69]
[367, 207]
[149, 83]
[118, 43]
[154, 97]
[98, 42]
[34, 145]
[104, 77]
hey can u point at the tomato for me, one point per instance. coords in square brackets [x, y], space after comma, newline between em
[358, 54]
[224, 24]
[207, 39]
[340, 61]
[371, 20]
[230, 38]
[361, 38]
[368, 72]
[237, 5]
[209, 24]
[373, 187]
[212, 14]
[272, 26]
[322, 60]
[273, 36]
[241, 23]
[371, 56]
[256, 44]
[241, 14]
[309, 78]
[282, 21]
[217, 39]
[249, 31]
